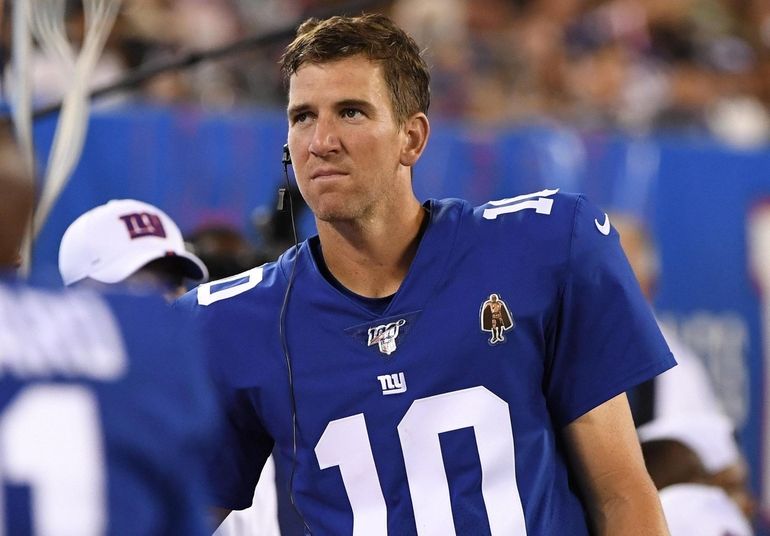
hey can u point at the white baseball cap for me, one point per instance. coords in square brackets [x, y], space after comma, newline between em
[708, 435]
[112, 241]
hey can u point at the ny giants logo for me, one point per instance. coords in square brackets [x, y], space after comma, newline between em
[385, 336]
[141, 224]
[392, 384]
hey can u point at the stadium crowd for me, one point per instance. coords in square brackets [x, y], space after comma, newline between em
[690, 65]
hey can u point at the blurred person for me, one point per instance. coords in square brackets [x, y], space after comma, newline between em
[106, 411]
[223, 249]
[131, 243]
[682, 403]
[280, 227]
[226, 251]
[697, 449]
[136, 246]
[671, 462]
[361, 354]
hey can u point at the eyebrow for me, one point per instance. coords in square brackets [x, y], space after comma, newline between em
[345, 103]
[358, 103]
[293, 110]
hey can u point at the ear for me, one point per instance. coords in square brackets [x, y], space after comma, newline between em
[415, 131]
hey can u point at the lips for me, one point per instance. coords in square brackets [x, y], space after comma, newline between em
[326, 173]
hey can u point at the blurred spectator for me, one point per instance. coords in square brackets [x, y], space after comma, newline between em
[694, 66]
[131, 243]
[681, 405]
[105, 408]
[697, 449]
[671, 462]
[277, 226]
[224, 250]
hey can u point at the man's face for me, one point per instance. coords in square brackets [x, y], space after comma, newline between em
[344, 141]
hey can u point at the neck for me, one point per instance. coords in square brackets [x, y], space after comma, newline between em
[372, 257]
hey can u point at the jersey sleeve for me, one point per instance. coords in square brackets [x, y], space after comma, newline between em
[239, 454]
[242, 445]
[605, 339]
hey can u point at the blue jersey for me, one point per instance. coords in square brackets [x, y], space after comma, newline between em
[438, 413]
[105, 412]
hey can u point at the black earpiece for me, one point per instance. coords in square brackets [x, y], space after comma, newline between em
[286, 157]
[286, 161]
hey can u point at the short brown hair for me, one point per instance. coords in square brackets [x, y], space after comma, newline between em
[377, 38]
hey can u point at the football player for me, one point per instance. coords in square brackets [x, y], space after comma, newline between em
[106, 409]
[364, 353]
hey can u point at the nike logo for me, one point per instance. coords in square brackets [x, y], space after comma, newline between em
[604, 228]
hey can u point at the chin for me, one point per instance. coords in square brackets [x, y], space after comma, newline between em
[334, 216]
[337, 214]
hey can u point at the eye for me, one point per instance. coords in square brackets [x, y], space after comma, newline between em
[300, 117]
[351, 113]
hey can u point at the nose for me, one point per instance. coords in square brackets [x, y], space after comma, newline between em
[325, 140]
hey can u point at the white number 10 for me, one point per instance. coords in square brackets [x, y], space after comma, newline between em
[345, 443]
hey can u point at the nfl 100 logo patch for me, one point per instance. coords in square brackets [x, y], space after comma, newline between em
[385, 336]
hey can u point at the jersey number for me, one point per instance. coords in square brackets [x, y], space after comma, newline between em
[50, 441]
[540, 202]
[345, 444]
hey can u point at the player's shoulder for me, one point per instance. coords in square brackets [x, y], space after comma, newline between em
[548, 222]
[51, 306]
[234, 288]
[546, 213]
[258, 283]
[81, 333]
[558, 206]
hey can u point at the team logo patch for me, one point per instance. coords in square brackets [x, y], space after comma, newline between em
[385, 336]
[141, 224]
[495, 318]
[392, 384]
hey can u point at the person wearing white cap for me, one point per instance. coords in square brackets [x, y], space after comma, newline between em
[698, 451]
[98, 435]
[136, 244]
[128, 242]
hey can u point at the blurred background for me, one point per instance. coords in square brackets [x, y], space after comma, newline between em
[657, 109]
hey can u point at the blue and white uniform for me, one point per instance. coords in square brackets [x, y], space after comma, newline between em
[413, 416]
[106, 411]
